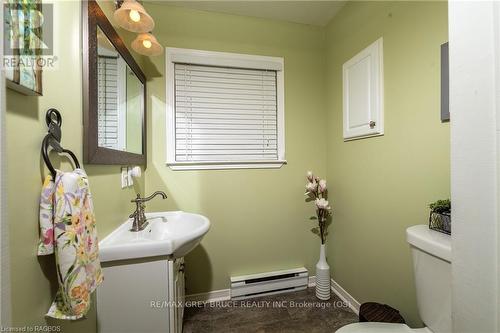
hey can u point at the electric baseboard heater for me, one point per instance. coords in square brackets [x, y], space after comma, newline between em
[269, 283]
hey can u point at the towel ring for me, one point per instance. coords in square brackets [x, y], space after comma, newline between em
[53, 140]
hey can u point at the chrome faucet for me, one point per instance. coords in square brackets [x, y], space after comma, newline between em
[139, 217]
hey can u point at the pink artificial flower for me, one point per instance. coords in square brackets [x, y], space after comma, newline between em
[322, 203]
[310, 176]
[311, 187]
[322, 186]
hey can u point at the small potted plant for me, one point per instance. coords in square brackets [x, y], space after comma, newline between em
[440, 216]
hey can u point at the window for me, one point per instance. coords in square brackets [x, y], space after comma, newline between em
[224, 110]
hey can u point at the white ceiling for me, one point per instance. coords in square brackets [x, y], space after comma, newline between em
[306, 12]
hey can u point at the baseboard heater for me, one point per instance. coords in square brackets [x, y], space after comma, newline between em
[269, 283]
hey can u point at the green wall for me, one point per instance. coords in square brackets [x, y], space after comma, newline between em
[33, 279]
[259, 217]
[380, 186]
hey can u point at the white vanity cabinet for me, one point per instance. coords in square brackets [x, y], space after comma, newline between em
[141, 295]
[143, 288]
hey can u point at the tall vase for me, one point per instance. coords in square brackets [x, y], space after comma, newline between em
[322, 276]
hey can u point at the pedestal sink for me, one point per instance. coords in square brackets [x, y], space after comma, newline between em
[143, 267]
[172, 234]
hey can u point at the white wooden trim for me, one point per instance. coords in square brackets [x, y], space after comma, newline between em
[226, 165]
[225, 295]
[280, 91]
[312, 281]
[340, 292]
[345, 296]
[225, 59]
[211, 296]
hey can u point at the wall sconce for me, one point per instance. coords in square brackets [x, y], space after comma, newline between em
[146, 44]
[132, 16]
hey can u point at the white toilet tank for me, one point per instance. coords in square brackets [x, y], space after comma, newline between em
[431, 253]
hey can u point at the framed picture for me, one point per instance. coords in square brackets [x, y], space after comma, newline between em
[23, 26]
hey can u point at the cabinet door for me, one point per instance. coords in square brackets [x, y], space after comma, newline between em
[363, 93]
[126, 299]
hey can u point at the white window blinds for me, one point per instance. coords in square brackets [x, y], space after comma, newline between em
[225, 114]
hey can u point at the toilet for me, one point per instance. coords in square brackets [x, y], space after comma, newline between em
[431, 255]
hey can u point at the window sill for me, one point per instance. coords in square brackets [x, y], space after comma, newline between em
[221, 165]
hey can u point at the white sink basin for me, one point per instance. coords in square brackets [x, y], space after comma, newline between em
[167, 234]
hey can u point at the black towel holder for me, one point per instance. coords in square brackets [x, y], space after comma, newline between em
[53, 139]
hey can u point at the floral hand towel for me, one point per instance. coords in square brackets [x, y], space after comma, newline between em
[46, 243]
[67, 228]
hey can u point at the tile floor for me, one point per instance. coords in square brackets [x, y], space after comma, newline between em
[290, 312]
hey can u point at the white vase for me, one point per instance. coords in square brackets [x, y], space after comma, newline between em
[322, 276]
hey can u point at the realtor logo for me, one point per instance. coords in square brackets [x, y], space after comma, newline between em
[28, 28]
[28, 44]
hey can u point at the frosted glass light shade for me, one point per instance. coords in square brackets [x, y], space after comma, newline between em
[133, 17]
[147, 44]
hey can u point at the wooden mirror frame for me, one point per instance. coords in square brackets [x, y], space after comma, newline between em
[93, 17]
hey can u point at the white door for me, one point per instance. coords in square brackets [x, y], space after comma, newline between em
[474, 51]
[363, 93]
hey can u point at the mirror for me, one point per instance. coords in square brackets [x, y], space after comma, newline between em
[114, 96]
[120, 100]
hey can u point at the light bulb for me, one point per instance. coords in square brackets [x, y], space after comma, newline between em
[147, 43]
[134, 15]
